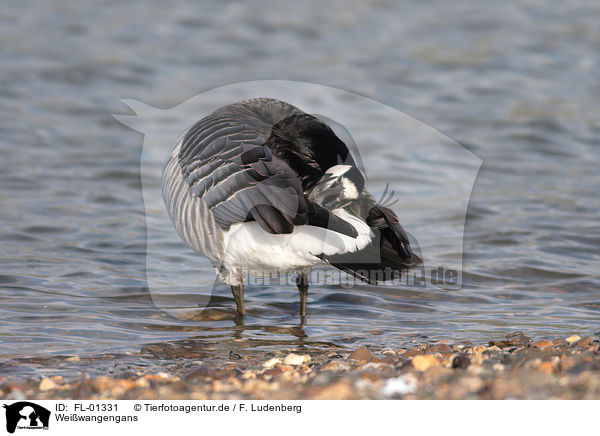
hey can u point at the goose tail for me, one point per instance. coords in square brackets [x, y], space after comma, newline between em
[386, 256]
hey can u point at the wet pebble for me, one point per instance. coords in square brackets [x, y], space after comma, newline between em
[272, 362]
[424, 362]
[47, 384]
[511, 340]
[388, 352]
[234, 356]
[362, 354]
[337, 391]
[273, 372]
[584, 342]
[296, 359]
[543, 344]
[546, 367]
[399, 386]
[440, 348]
[335, 365]
[200, 372]
[461, 361]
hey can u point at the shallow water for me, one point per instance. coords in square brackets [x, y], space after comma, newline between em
[517, 86]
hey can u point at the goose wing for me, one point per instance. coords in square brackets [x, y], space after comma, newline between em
[225, 164]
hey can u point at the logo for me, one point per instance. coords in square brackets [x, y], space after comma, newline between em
[26, 415]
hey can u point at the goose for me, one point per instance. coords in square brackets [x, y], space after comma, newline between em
[261, 186]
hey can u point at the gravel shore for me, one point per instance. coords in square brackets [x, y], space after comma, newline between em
[515, 367]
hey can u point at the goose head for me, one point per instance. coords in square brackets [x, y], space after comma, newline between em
[309, 146]
[340, 185]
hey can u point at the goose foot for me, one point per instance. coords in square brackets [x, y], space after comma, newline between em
[302, 283]
[238, 296]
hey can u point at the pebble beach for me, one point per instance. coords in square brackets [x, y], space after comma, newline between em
[514, 367]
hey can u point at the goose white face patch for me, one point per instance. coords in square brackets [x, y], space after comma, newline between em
[350, 191]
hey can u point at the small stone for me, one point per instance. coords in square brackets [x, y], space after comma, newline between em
[584, 342]
[461, 361]
[73, 359]
[218, 386]
[47, 384]
[362, 354]
[377, 366]
[532, 363]
[546, 367]
[337, 391]
[572, 339]
[416, 350]
[364, 383]
[479, 349]
[249, 374]
[234, 356]
[287, 369]
[405, 365]
[471, 383]
[498, 367]
[436, 373]
[424, 362]
[200, 372]
[370, 376]
[296, 359]
[65, 387]
[478, 358]
[335, 365]
[103, 383]
[142, 382]
[273, 372]
[399, 386]
[127, 375]
[388, 352]
[272, 362]
[512, 340]
[440, 348]
[543, 344]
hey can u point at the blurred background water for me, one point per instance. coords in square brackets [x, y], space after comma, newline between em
[518, 84]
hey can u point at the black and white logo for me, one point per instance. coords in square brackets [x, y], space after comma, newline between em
[26, 415]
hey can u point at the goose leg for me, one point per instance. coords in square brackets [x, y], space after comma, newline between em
[302, 283]
[238, 296]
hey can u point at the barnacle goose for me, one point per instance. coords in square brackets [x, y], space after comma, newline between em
[260, 185]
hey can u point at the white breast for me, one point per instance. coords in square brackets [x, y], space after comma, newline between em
[250, 248]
